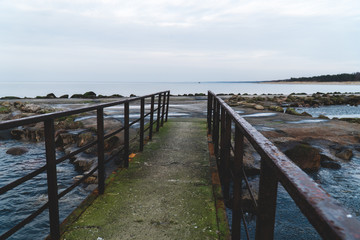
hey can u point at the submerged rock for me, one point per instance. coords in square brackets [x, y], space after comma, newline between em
[17, 151]
[330, 164]
[305, 156]
[85, 162]
[345, 154]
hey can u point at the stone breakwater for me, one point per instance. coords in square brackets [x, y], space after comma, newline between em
[70, 134]
[311, 143]
[317, 142]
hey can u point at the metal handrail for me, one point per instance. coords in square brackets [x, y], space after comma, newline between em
[326, 215]
[161, 110]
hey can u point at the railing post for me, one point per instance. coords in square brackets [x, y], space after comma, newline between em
[216, 129]
[209, 111]
[226, 131]
[158, 113]
[214, 120]
[163, 109]
[167, 106]
[142, 110]
[151, 117]
[100, 150]
[126, 134]
[265, 220]
[52, 179]
[222, 149]
[237, 181]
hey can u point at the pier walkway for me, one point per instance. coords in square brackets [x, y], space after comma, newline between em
[166, 193]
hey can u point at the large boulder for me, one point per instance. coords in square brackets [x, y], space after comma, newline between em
[17, 151]
[305, 156]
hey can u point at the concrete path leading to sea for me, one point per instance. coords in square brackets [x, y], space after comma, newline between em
[166, 193]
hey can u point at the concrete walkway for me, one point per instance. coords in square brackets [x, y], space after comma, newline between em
[165, 194]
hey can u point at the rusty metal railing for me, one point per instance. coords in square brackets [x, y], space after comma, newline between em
[326, 215]
[161, 110]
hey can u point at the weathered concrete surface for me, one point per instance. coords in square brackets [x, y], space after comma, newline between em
[165, 194]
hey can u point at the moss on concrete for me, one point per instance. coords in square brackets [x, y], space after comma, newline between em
[166, 193]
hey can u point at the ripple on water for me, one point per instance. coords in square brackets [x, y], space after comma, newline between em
[339, 111]
[308, 121]
[18, 203]
[259, 115]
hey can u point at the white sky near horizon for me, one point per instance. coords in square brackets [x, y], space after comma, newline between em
[178, 40]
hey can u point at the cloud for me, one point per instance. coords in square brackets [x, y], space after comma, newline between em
[254, 39]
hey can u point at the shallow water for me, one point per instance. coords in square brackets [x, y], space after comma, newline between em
[308, 121]
[33, 89]
[335, 111]
[259, 115]
[342, 184]
[20, 202]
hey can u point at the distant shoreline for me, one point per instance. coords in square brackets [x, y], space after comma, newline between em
[311, 83]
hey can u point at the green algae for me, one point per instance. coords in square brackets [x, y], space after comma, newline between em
[183, 206]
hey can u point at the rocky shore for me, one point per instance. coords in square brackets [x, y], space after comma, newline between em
[312, 143]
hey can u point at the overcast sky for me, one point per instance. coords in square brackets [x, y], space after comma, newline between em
[177, 40]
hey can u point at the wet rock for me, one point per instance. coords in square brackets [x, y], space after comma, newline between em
[259, 107]
[345, 154]
[69, 149]
[322, 117]
[276, 108]
[67, 138]
[50, 95]
[85, 162]
[109, 124]
[30, 108]
[68, 123]
[34, 133]
[305, 156]
[306, 114]
[330, 164]
[91, 180]
[18, 134]
[17, 151]
[6, 104]
[292, 111]
[85, 138]
[111, 143]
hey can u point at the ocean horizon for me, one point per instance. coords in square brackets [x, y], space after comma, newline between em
[33, 89]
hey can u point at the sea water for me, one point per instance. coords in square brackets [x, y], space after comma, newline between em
[20, 202]
[33, 89]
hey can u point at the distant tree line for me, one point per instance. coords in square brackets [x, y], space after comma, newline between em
[344, 77]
